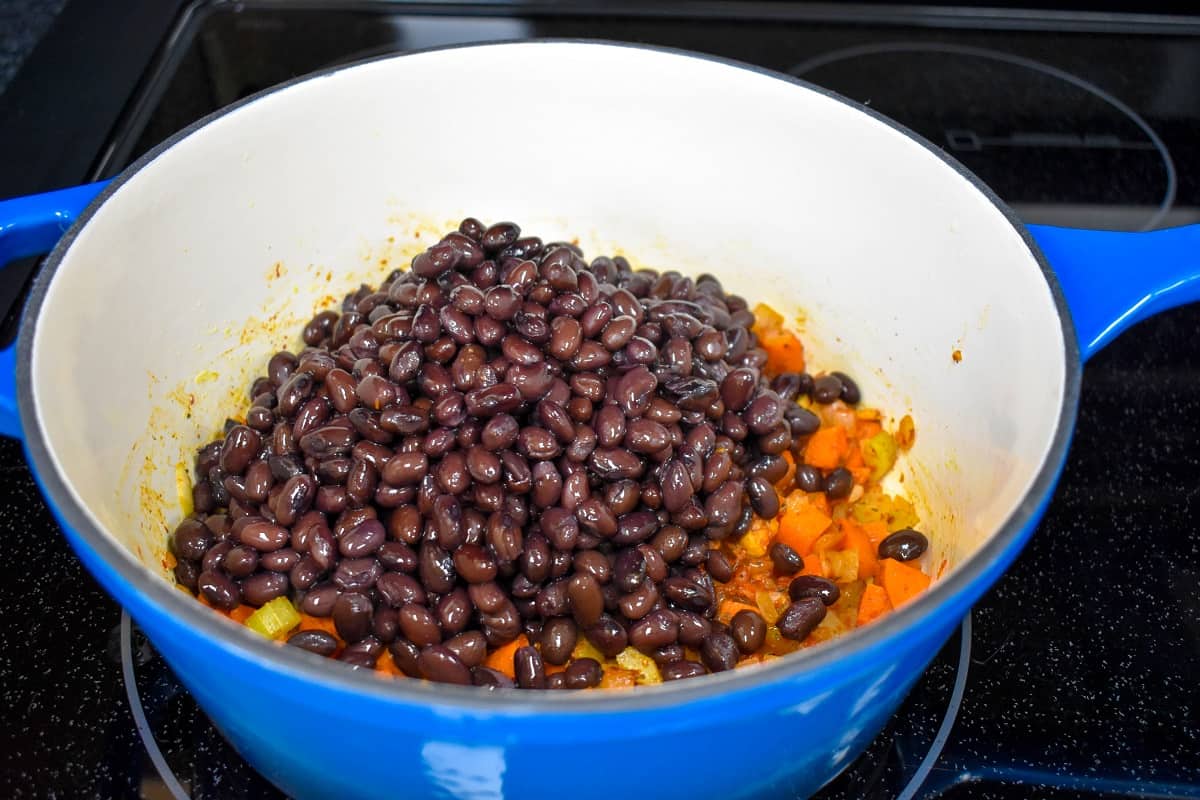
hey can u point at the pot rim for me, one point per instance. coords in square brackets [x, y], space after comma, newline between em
[1001, 547]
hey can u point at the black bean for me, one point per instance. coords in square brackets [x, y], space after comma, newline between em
[219, 589]
[352, 616]
[319, 642]
[488, 678]
[240, 562]
[529, 668]
[614, 463]
[474, 563]
[763, 498]
[363, 540]
[547, 484]
[636, 527]
[435, 567]
[263, 587]
[538, 444]
[607, 636]
[597, 518]
[785, 560]
[406, 468]
[319, 601]
[838, 483]
[723, 505]
[385, 625]
[583, 673]
[904, 545]
[809, 479]
[535, 560]
[678, 670]
[470, 647]
[454, 611]
[586, 599]
[646, 436]
[804, 586]
[801, 618]
[356, 574]
[191, 539]
[850, 394]
[827, 389]
[264, 536]
[417, 623]
[686, 594]
[405, 655]
[438, 663]
[397, 589]
[656, 629]
[719, 652]
[638, 603]
[749, 630]
[718, 566]
[557, 639]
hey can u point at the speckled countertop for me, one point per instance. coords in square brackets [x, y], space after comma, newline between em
[22, 24]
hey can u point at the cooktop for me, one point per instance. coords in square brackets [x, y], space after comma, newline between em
[1074, 678]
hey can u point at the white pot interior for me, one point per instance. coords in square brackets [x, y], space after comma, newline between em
[214, 255]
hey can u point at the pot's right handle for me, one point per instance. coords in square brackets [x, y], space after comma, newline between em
[30, 226]
[1113, 279]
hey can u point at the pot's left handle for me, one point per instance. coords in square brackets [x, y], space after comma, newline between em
[30, 226]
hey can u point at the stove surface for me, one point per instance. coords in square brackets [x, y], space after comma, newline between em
[1077, 670]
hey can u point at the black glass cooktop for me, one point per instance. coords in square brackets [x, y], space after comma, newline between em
[1074, 678]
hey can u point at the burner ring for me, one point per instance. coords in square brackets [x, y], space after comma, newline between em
[845, 54]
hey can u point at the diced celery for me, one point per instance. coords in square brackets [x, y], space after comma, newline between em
[274, 619]
[896, 512]
[880, 454]
[842, 565]
[766, 606]
[642, 664]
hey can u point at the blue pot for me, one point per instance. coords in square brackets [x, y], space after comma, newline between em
[785, 728]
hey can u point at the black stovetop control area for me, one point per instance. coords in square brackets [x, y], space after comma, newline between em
[1074, 678]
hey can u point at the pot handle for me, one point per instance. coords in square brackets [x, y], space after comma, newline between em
[1112, 280]
[30, 226]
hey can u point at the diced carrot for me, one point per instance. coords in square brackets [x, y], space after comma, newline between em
[501, 659]
[901, 581]
[553, 668]
[311, 623]
[854, 459]
[240, 613]
[826, 447]
[857, 539]
[785, 353]
[813, 565]
[874, 603]
[876, 531]
[861, 474]
[800, 528]
[729, 608]
[387, 666]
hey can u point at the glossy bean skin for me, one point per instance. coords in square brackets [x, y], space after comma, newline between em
[904, 545]
[719, 652]
[807, 586]
[438, 663]
[801, 618]
[352, 616]
[506, 439]
[749, 631]
[318, 642]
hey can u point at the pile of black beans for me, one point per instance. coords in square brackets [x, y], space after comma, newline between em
[501, 440]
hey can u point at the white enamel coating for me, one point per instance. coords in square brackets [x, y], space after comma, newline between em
[787, 195]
